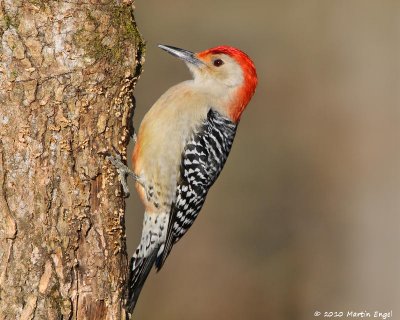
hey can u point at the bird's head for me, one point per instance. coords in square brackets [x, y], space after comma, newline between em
[224, 71]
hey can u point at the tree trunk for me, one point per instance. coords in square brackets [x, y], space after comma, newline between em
[67, 73]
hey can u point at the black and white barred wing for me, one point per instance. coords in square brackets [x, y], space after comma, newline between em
[202, 161]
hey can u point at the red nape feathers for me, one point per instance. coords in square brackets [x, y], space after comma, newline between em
[250, 77]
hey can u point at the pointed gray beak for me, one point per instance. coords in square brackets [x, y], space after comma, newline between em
[185, 55]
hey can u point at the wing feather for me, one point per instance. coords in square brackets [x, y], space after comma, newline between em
[202, 161]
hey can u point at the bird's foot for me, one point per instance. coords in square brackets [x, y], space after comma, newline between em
[123, 171]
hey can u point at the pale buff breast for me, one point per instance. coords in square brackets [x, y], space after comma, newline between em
[161, 140]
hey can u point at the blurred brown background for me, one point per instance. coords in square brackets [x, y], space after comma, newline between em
[305, 215]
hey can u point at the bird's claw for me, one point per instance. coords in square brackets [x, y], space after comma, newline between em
[123, 171]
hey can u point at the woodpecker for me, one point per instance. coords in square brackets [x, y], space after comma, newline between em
[181, 148]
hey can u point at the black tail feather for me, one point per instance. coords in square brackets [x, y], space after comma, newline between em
[139, 271]
[169, 242]
[159, 263]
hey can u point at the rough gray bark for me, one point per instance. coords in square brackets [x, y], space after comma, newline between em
[67, 72]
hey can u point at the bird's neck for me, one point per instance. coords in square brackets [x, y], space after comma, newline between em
[220, 97]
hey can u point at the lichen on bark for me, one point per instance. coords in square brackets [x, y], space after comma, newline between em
[67, 73]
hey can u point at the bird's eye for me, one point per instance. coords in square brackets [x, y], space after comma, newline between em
[218, 62]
